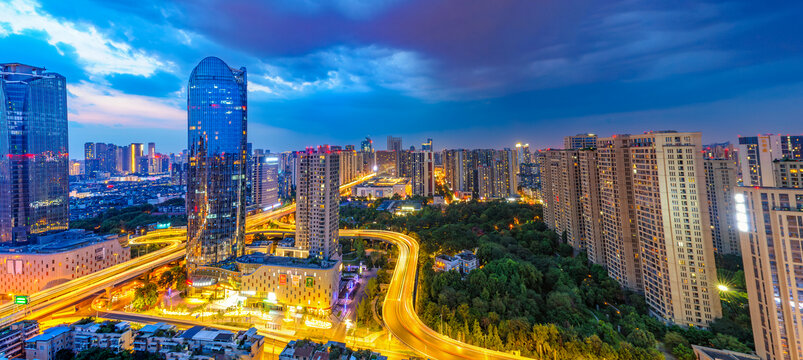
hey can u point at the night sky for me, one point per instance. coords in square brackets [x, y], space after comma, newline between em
[468, 73]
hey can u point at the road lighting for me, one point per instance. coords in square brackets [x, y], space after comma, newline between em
[723, 288]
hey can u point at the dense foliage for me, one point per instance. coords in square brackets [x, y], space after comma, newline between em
[114, 221]
[531, 293]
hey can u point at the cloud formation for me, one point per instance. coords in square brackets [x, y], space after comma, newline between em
[98, 53]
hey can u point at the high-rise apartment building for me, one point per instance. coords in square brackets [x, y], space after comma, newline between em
[720, 182]
[318, 202]
[590, 206]
[770, 222]
[34, 175]
[419, 167]
[350, 166]
[580, 141]
[788, 173]
[217, 125]
[671, 214]
[617, 212]
[756, 154]
[265, 180]
[561, 189]
[394, 143]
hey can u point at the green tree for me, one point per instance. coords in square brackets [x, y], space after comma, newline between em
[683, 352]
[64, 354]
[722, 341]
[145, 297]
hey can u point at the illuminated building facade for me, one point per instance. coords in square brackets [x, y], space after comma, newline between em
[217, 125]
[770, 222]
[265, 181]
[290, 282]
[673, 228]
[318, 202]
[60, 257]
[619, 236]
[34, 176]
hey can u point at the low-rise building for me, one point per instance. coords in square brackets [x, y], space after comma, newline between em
[58, 258]
[12, 338]
[290, 282]
[45, 346]
[468, 261]
[446, 263]
[384, 187]
[157, 338]
[308, 350]
[706, 353]
[196, 343]
[209, 343]
[464, 262]
[114, 335]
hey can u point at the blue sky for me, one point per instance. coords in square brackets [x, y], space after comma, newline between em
[468, 73]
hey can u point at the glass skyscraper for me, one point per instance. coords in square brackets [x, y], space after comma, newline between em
[216, 191]
[34, 183]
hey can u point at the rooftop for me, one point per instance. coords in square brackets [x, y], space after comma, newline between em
[724, 354]
[49, 334]
[384, 182]
[260, 258]
[59, 242]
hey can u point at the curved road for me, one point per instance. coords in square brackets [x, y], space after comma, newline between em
[399, 315]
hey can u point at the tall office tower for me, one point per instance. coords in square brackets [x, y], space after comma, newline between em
[151, 150]
[770, 222]
[419, 167]
[580, 141]
[265, 180]
[89, 151]
[394, 143]
[720, 182]
[135, 151]
[561, 186]
[119, 159]
[318, 202]
[679, 275]
[91, 159]
[756, 154]
[366, 162]
[367, 145]
[217, 125]
[427, 146]
[590, 207]
[788, 173]
[617, 210]
[34, 175]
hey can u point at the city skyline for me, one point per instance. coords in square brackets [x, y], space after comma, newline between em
[536, 69]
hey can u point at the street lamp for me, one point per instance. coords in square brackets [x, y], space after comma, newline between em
[723, 288]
